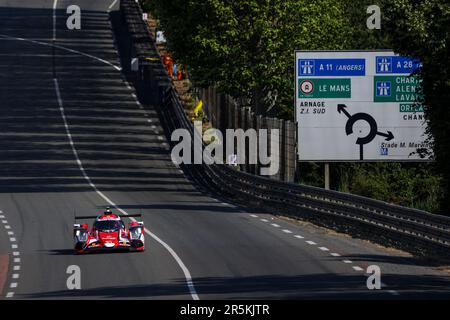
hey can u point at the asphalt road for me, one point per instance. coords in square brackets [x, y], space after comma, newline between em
[228, 252]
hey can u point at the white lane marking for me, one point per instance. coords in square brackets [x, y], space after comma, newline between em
[299, 236]
[334, 254]
[287, 231]
[324, 249]
[15, 252]
[65, 49]
[55, 3]
[183, 267]
[150, 121]
[356, 268]
[16, 260]
[393, 292]
[311, 243]
[347, 261]
[264, 220]
[275, 225]
[253, 216]
[2, 216]
[160, 138]
[228, 205]
[112, 5]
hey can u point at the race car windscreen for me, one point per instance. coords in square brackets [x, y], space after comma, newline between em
[107, 225]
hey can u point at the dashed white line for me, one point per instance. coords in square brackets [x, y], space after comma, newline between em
[324, 249]
[356, 268]
[334, 254]
[393, 292]
[311, 242]
[287, 231]
[2, 216]
[14, 246]
[347, 261]
[17, 260]
[264, 220]
[275, 225]
[299, 236]
[253, 216]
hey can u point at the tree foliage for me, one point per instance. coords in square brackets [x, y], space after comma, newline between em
[421, 28]
[246, 48]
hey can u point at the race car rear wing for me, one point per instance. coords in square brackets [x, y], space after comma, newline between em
[119, 215]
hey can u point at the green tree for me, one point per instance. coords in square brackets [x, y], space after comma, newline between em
[246, 48]
[421, 28]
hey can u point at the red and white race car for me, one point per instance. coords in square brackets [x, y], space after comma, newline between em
[108, 233]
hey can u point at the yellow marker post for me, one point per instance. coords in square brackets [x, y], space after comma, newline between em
[198, 108]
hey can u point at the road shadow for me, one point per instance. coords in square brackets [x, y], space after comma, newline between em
[119, 149]
[313, 286]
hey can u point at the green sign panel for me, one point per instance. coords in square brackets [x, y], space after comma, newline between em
[324, 88]
[395, 89]
[410, 107]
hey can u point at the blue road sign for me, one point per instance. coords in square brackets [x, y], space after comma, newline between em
[396, 64]
[331, 67]
[383, 88]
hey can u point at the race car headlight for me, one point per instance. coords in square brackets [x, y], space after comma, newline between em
[135, 233]
[82, 236]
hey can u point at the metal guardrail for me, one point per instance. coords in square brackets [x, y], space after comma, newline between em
[415, 230]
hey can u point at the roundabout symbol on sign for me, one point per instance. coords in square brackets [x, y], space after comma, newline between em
[352, 119]
[306, 87]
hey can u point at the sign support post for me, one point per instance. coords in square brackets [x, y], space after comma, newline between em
[327, 176]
